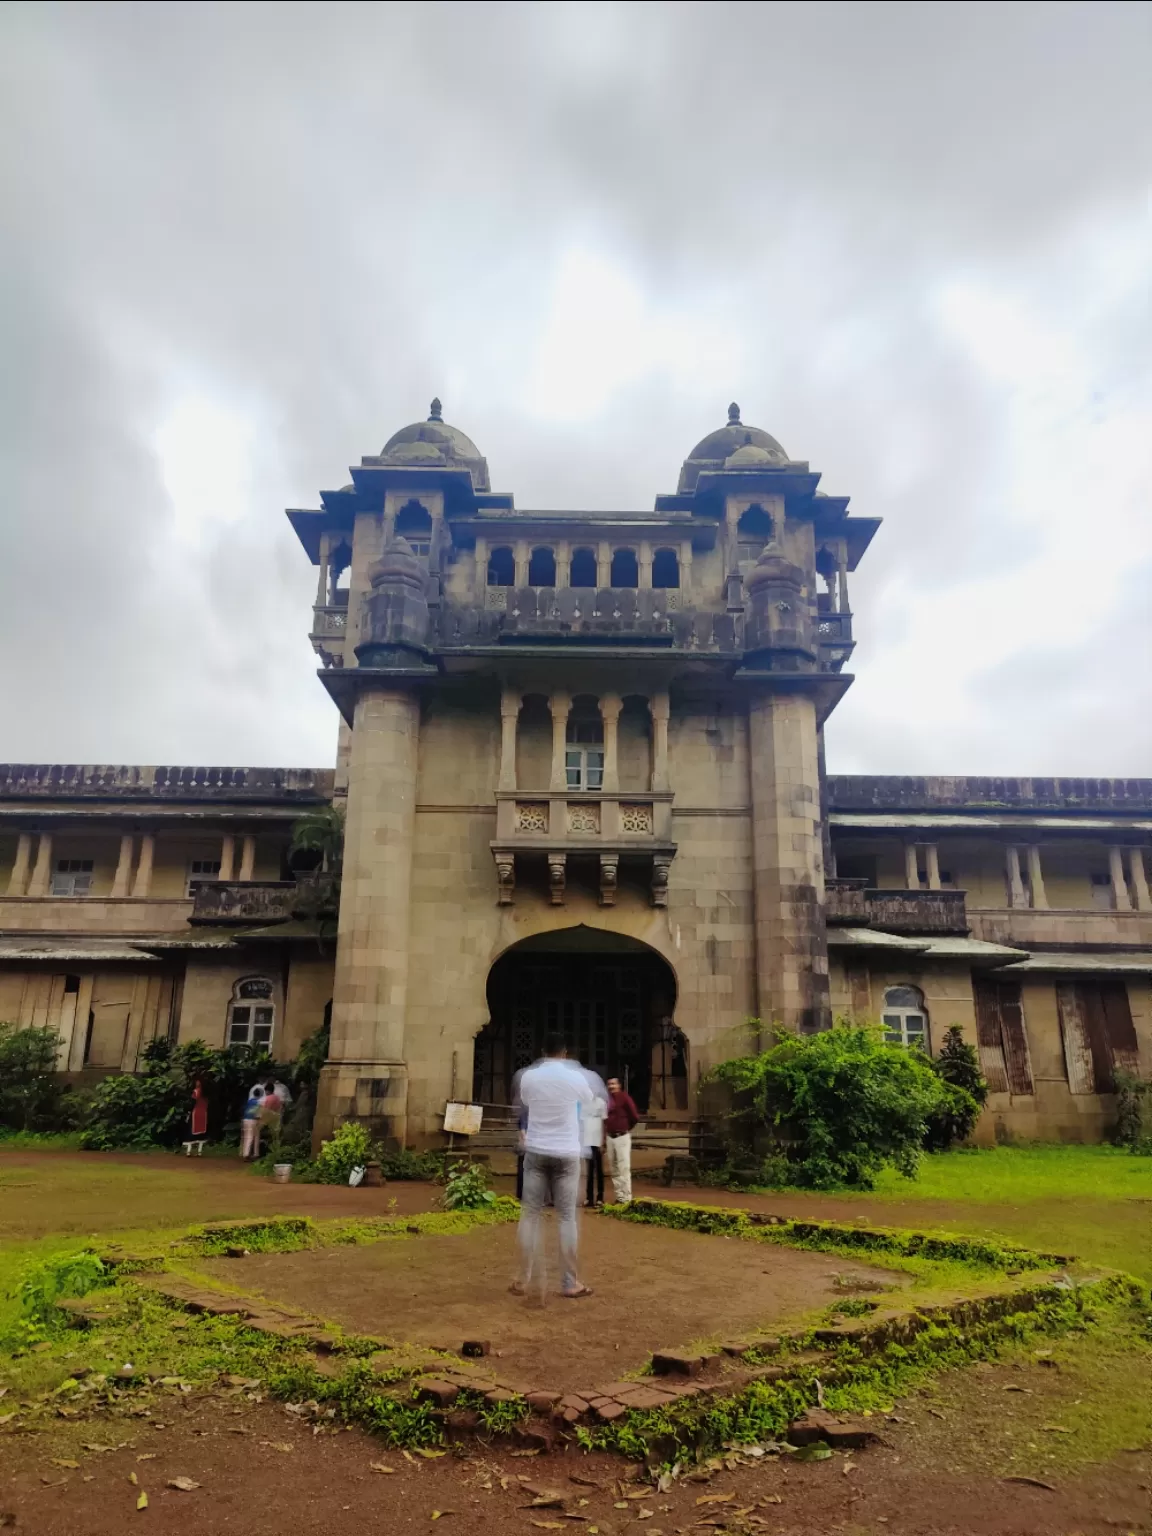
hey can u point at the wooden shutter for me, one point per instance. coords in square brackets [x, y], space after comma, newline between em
[1118, 1024]
[988, 1036]
[1000, 1033]
[1015, 1039]
[1078, 1059]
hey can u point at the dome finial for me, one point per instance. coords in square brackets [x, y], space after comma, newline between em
[733, 415]
[434, 411]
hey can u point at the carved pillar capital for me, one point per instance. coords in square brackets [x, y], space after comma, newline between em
[609, 872]
[557, 875]
[661, 865]
[505, 878]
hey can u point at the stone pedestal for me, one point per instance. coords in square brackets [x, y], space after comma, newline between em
[366, 1077]
[788, 870]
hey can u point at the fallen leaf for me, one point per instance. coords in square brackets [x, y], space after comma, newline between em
[438, 1514]
[818, 1451]
[142, 1501]
[937, 1412]
[548, 1525]
[1012, 1387]
[146, 1456]
[1056, 1429]
[61, 1461]
[587, 1482]
[536, 1452]
[645, 1514]
[429, 1455]
[555, 1501]
[715, 1498]
[185, 1484]
[133, 1479]
[382, 1466]
[278, 1445]
[408, 1456]
[1030, 1482]
[620, 1504]
[96, 1448]
[52, 1482]
[773, 1498]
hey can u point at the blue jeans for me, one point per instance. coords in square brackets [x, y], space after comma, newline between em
[558, 1177]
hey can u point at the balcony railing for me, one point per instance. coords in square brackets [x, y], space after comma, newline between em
[852, 901]
[608, 615]
[330, 623]
[244, 901]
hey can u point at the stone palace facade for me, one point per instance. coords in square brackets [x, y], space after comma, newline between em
[582, 760]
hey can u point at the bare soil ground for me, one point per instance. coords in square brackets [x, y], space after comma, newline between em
[260, 1471]
[653, 1289]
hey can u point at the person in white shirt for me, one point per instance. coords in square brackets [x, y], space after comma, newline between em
[554, 1092]
[592, 1137]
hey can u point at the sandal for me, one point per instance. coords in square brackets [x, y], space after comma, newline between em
[516, 1289]
[585, 1290]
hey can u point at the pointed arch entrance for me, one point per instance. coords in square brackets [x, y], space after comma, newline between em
[611, 997]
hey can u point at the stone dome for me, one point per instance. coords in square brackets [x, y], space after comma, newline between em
[436, 444]
[733, 447]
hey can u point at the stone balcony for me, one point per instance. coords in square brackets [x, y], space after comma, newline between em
[854, 902]
[607, 615]
[559, 825]
[244, 901]
[1053, 928]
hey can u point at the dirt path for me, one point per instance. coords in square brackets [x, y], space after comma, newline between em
[259, 1471]
[653, 1289]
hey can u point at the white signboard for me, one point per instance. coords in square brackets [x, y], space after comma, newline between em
[463, 1119]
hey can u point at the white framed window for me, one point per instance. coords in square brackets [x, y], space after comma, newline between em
[72, 877]
[421, 547]
[200, 870]
[584, 754]
[252, 1012]
[905, 1017]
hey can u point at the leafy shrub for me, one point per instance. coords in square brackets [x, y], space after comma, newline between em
[467, 1188]
[958, 1068]
[405, 1164]
[32, 1095]
[129, 1111]
[1134, 1112]
[839, 1105]
[45, 1282]
[350, 1146]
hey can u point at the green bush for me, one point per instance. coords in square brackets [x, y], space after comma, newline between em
[45, 1282]
[467, 1188]
[150, 1110]
[1134, 1112]
[405, 1164]
[33, 1096]
[350, 1146]
[839, 1105]
[958, 1068]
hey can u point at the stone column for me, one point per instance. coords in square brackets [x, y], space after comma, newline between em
[933, 856]
[18, 879]
[523, 555]
[1139, 879]
[603, 565]
[686, 566]
[560, 705]
[322, 579]
[142, 885]
[227, 856]
[658, 709]
[366, 1077]
[1017, 897]
[911, 867]
[123, 875]
[1036, 878]
[788, 874]
[842, 579]
[610, 706]
[509, 720]
[480, 569]
[1120, 897]
[644, 562]
[247, 856]
[42, 870]
[563, 564]
[732, 515]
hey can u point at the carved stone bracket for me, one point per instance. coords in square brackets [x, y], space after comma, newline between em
[661, 863]
[506, 878]
[557, 873]
[609, 870]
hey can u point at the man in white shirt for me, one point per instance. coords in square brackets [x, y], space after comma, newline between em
[553, 1091]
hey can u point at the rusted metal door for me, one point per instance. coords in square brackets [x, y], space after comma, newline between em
[1001, 1035]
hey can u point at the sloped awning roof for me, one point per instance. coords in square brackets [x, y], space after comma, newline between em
[79, 950]
[976, 952]
[1098, 963]
[874, 938]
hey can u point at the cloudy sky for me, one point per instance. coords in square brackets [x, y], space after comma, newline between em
[241, 244]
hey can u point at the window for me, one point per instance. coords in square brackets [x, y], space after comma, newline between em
[72, 877]
[542, 568]
[1102, 892]
[905, 1021]
[665, 568]
[1098, 1033]
[200, 870]
[251, 1013]
[501, 568]
[857, 866]
[625, 569]
[753, 531]
[421, 547]
[583, 570]
[584, 757]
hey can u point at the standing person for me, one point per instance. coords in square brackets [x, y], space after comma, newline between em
[592, 1138]
[250, 1124]
[554, 1095]
[198, 1121]
[621, 1117]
